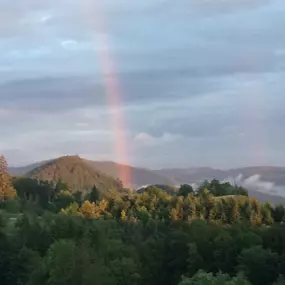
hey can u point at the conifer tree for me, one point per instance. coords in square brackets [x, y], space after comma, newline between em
[6, 189]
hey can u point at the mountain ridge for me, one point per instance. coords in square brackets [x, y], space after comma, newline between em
[139, 176]
[260, 180]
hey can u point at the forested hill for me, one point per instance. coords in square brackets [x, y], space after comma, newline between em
[74, 172]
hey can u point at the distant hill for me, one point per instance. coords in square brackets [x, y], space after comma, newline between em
[272, 174]
[263, 182]
[264, 197]
[23, 170]
[267, 173]
[139, 176]
[73, 171]
[191, 175]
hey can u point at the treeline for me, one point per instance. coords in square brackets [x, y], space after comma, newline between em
[213, 201]
[213, 235]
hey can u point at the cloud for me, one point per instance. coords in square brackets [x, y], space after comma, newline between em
[169, 131]
[42, 136]
[46, 18]
[201, 82]
[69, 44]
[256, 183]
[145, 139]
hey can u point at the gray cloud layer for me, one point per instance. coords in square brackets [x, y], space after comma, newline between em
[201, 81]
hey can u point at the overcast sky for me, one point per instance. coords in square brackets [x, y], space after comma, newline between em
[198, 82]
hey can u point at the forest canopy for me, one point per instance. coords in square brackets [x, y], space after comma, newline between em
[216, 234]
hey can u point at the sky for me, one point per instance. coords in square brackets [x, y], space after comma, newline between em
[169, 83]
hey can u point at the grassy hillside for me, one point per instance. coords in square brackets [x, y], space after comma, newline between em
[73, 171]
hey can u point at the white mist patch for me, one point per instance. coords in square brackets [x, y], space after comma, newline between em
[256, 183]
[142, 187]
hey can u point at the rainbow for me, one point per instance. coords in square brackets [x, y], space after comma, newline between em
[253, 115]
[113, 92]
[257, 143]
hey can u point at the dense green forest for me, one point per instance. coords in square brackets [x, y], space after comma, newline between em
[52, 234]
